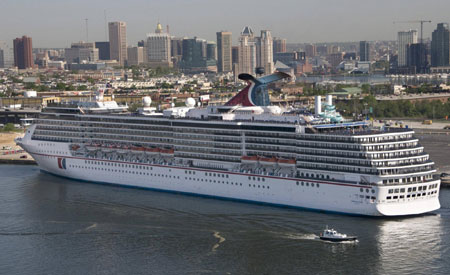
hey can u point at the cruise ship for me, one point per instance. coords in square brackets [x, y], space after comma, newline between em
[246, 150]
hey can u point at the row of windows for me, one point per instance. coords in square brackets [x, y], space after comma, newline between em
[411, 195]
[305, 183]
[412, 189]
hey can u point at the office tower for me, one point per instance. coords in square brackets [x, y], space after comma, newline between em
[81, 52]
[195, 56]
[266, 51]
[118, 41]
[158, 47]
[2, 59]
[364, 51]
[247, 52]
[8, 54]
[310, 50]
[417, 58]
[211, 50]
[135, 56]
[103, 50]
[176, 50]
[279, 45]
[23, 56]
[404, 39]
[234, 55]
[224, 56]
[440, 48]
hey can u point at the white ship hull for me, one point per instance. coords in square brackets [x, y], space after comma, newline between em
[320, 195]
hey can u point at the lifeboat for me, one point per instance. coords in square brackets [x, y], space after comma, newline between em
[249, 159]
[167, 152]
[74, 147]
[286, 162]
[152, 150]
[268, 161]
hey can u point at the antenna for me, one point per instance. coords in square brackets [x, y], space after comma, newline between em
[87, 30]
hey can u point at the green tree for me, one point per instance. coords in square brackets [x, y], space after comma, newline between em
[8, 127]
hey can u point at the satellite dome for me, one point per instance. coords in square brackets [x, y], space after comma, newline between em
[147, 101]
[190, 102]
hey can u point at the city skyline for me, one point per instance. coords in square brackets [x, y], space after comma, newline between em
[298, 22]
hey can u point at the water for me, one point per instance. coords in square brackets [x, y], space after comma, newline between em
[51, 225]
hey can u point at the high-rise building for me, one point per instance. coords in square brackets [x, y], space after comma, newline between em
[279, 45]
[310, 50]
[2, 59]
[235, 54]
[135, 56]
[364, 51]
[176, 50]
[247, 52]
[195, 56]
[103, 50]
[8, 54]
[81, 52]
[405, 38]
[211, 50]
[440, 46]
[158, 47]
[224, 56]
[417, 58]
[118, 41]
[23, 52]
[266, 51]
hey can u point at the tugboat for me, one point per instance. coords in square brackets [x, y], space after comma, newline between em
[333, 236]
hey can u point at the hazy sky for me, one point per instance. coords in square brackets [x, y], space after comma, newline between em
[57, 23]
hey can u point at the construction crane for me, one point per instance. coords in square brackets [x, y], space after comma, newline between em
[416, 21]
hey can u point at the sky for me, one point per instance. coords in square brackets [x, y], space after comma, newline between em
[58, 23]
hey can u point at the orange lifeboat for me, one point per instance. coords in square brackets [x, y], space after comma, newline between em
[286, 162]
[249, 159]
[268, 161]
[167, 152]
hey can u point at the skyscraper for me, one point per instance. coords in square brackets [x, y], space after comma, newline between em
[103, 50]
[247, 52]
[195, 56]
[405, 38]
[211, 50]
[2, 59]
[417, 58]
[135, 56]
[118, 41]
[224, 52]
[364, 51]
[279, 45]
[158, 47]
[23, 55]
[81, 51]
[266, 55]
[310, 50]
[440, 48]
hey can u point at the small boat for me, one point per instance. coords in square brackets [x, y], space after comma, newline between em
[286, 162]
[268, 161]
[249, 159]
[333, 236]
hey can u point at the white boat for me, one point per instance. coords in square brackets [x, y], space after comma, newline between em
[334, 236]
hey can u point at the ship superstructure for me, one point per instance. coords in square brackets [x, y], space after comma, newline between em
[245, 150]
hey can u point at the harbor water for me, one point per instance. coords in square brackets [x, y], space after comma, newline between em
[53, 225]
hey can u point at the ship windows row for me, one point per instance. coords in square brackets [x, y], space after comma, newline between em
[305, 183]
[412, 195]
